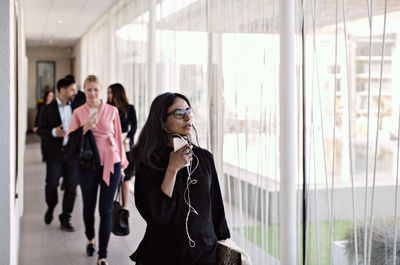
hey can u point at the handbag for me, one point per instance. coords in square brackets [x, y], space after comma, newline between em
[120, 216]
[228, 253]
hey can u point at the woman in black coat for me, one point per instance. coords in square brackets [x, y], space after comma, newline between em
[117, 97]
[47, 98]
[181, 202]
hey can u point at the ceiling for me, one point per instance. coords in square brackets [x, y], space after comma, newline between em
[42, 16]
[42, 27]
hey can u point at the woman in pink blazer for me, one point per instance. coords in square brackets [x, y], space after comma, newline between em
[103, 121]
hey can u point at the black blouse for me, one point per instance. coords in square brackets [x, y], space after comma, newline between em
[166, 240]
[130, 119]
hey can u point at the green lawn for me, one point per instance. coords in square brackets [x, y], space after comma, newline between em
[257, 234]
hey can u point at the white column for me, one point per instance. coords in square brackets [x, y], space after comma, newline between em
[287, 146]
[151, 54]
[9, 222]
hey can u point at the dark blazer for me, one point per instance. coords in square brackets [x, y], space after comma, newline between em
[79, 100]
[129, 120]
[84, 149]
[39, 108]
[49, 119]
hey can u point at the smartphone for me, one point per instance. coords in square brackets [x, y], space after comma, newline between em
[178, 144]
[92, 111]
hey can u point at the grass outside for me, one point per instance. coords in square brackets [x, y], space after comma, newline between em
[257, 235]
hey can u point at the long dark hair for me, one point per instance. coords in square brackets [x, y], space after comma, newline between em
[46, 94]
[119, 98]
[154, 137]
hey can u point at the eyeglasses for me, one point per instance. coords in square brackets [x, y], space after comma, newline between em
[180, 113]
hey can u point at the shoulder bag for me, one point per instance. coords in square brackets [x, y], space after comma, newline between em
[120, 215]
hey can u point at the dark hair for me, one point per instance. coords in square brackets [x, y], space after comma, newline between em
[119, 98]
[64, 83]
[46, 94]
[153, 137]
[70, 77]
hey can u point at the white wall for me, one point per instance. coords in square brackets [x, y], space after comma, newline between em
[62, 58]
[8, 225]
[22, 102]
[77, 54]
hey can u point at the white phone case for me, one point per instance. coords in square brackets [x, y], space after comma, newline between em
[179, 143]
[92, 111]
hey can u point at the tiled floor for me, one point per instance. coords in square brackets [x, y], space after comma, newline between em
[47, 244]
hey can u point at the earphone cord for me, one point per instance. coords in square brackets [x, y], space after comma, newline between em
[186, 194]
[186, 197]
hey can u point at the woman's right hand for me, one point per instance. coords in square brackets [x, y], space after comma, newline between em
[89, 124]
[180, 158]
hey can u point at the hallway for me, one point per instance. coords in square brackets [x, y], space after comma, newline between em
[47, 244]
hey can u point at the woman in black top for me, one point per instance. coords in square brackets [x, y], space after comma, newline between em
[182, 204]
[47, 98]
[127, 114]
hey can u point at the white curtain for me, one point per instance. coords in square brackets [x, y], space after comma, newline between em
[224, 56]
[352, 106]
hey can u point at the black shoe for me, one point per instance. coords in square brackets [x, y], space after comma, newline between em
[90, 249]
[48, 217]
[102, 262]
[66, 226]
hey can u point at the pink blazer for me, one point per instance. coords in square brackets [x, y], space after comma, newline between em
[107, 133]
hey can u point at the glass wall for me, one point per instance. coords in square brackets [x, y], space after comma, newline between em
[352, 53]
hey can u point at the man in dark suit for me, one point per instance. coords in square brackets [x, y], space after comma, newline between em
[78, 101]
[80, 97]
[53, 125]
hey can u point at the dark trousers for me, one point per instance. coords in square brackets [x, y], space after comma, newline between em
[66, 167]
[89, 182]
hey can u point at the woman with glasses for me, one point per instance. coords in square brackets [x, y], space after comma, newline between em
[117, 97]
[176, 192]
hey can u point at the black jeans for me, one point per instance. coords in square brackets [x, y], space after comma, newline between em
[66, 167]
[89, 182]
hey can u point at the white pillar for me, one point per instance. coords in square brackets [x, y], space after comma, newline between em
[8, 218]
[151, 54]
[287, 146]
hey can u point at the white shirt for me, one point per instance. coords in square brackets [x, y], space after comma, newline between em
[65, 115]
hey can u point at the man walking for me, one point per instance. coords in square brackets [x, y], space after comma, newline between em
[53, 125]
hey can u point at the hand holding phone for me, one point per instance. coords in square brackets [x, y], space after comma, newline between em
[179, 143]
[93, 115]
[92, 111]
[91, 122]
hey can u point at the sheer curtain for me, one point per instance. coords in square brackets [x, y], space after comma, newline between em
[352, 98]
[224, 55]
[182, 56]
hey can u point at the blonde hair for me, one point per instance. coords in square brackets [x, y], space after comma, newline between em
[91, 78]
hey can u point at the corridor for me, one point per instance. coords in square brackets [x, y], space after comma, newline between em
[47, 244]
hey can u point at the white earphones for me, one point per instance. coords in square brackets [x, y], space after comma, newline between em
[186, 194]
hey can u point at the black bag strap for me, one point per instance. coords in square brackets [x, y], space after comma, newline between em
[120, 189]
[82, 143]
